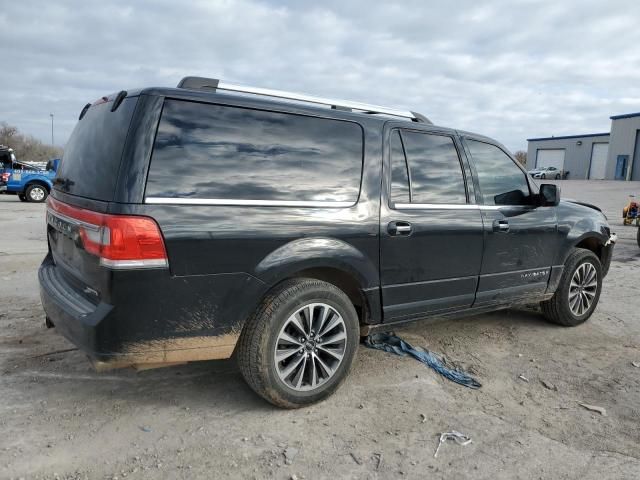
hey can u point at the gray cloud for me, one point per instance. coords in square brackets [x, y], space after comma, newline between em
[510, 70]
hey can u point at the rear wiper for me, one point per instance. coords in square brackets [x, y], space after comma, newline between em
[84, 110]
[64, 183]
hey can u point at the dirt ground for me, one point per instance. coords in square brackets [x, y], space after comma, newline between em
[59, 419]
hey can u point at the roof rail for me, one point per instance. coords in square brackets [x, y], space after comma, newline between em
[201, 83]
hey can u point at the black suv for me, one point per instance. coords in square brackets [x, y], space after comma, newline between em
[197, 222]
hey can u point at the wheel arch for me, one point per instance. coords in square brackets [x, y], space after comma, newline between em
[333, 261]
[37, 182]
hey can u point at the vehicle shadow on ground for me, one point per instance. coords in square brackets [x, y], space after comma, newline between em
[206, 384]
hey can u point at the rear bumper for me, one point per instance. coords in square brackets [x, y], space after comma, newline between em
[153, 319]
[74, 316]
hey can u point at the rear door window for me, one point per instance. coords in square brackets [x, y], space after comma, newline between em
[434, 168]
[217, 152]
[92, 155]
[400, 192]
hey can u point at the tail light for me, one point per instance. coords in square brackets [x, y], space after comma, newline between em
[120, 241]
[5, 177]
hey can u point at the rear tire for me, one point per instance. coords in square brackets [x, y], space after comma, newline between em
[543, 176]
[557, 176]
[36, 193]
[579, 290]
[638, 237]
[309, 369]
[22, 197]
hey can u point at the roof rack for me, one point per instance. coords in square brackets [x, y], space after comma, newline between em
[201, 83]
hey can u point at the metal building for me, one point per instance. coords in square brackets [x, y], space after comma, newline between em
[596, 156]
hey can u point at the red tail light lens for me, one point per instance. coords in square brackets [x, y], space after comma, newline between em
[120, 241]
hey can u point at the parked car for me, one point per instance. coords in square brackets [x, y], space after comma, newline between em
[197, 222]
[30, 181]
[546, 172]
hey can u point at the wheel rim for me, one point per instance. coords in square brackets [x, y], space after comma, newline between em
[36, 194]
[583, 289]
[310, 346]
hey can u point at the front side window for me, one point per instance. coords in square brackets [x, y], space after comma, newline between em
[206, 151]
[501, 181]
[435, 169]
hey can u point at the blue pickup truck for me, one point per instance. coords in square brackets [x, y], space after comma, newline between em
[32, 182]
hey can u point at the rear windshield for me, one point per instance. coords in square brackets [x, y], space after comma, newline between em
[91, 159]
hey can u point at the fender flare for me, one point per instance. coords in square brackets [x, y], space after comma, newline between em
[317, 252]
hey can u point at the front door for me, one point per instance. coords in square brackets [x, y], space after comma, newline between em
[431, 230]
[520, 239]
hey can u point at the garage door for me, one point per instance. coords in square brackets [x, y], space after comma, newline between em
[550, 158]
[598, 161]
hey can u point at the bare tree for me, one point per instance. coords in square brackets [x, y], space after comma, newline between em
[521, 157]
[27, 147]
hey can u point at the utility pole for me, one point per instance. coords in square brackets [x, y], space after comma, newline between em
[51, 115]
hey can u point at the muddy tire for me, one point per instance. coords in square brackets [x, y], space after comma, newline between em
[578, 292]
[298, 346]
[36, 193]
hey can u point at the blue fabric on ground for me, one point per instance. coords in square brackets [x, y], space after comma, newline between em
[391, 343]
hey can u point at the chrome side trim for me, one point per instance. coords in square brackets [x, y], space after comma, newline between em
[240, 202]
[435, 206]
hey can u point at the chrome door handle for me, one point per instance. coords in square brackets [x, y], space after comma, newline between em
[500, 226]
[399, 228]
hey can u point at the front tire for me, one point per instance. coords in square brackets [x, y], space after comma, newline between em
[579, 290]
[638, 237]
[36, 193]
[298, 346]
[22, 197]
[543, 176]
[557, 176]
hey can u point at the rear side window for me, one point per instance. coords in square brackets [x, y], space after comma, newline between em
[92, 155]
[435, 169]
[399, 172]
[501, 181]
[205, 151]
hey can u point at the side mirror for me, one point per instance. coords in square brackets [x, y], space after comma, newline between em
[549, 195]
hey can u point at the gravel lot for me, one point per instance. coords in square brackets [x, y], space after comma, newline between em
[59, 419]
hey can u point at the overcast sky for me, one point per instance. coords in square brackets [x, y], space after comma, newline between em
[511, 70]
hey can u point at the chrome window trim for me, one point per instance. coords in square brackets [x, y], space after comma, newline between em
[449, 206]
[250, 203]
[435, 206]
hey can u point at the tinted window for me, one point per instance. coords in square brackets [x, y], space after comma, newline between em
[436, 174]
[501, 181]
[92, 155]
[399, 173]
[219, 152]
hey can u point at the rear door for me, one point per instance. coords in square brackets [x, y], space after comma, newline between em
[431, 229]
[521, 239]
